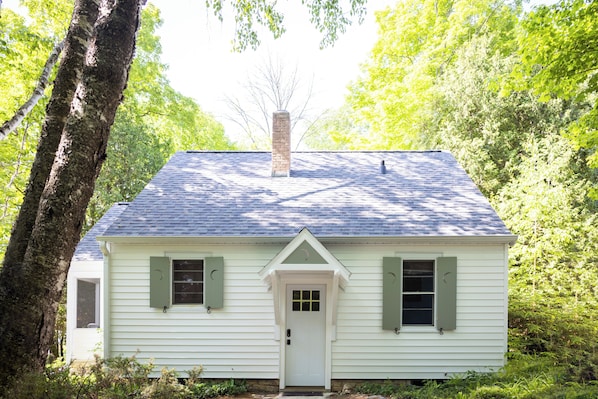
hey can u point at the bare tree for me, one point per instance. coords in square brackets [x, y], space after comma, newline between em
[271, 86]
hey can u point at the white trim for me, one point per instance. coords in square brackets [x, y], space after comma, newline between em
[332, 266]
[333, 274]
[307, 279]
[90, 271]
[105, 308]
[186, 255]
[506, 296]
[419, 255]
[220, 240]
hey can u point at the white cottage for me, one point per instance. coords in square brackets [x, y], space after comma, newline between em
[302, 269]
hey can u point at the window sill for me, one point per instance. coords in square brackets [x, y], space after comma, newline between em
[418, 329]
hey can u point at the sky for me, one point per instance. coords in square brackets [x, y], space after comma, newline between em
[197, 48]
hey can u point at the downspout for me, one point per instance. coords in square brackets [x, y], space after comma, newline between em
[506, 296]
[105, 311]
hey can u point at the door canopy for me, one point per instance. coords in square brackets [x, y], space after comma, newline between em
[304, 256]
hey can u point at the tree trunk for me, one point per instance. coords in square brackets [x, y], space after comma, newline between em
[32, 279]
[68, 77]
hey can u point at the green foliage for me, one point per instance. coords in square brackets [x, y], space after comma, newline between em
[512, 147]
[23, 52]
[564, 332]
[417, 43]
[151, 124]
[226, 388]
[329, 17]
[55, 383]
[557, 47]
[524, 377]
[120, 377]
[336, 131]
[165, 387]
[514, 144]
[558, 52]
[486, 131]
[49, 18]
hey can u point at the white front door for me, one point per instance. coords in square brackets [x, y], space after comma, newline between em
[305, 335]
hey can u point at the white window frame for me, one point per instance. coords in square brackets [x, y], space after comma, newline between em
[404, 293]
[174, 281]
[97, 319]
[407, 256]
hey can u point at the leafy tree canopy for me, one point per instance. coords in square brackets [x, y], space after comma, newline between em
[559, 53]
[329, 17]
[151, 124]
[417, 42]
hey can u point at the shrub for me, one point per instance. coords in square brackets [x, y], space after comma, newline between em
[490, 392]
[565, 333]
[56, 382]
[201, 390]
[119, 377]
[166, 387]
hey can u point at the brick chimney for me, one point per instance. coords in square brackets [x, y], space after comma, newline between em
[281, 144]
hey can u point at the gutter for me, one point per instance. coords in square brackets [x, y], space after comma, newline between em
[509, 239]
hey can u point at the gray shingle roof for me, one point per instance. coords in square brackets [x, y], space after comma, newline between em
[88, 248]
[334, 194]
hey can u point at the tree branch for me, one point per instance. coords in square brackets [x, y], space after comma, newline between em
[10, 125]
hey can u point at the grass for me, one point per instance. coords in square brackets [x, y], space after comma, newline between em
[524, 377]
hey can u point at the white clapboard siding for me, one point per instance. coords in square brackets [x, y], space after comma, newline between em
[363, 350]
[238, 341]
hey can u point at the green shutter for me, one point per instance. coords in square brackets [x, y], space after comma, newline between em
[160, 277]
[446, 291]
[391, 293]
[214, 283]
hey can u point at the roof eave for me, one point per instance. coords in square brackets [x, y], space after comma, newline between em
[227, 240]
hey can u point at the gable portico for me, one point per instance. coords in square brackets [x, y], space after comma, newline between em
[302, 274]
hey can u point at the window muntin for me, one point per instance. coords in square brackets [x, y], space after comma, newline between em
[306, 301]
[188, 281]
[418, 292]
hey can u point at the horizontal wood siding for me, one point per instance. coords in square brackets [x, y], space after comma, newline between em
[236, 341]
[363, 350]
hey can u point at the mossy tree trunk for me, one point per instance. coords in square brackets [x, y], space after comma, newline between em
[88, 89]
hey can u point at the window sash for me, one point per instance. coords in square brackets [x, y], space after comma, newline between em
[418, 292]
[187, 281]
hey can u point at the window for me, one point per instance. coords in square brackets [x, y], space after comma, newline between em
[88, 303]
[418, 292]
[306, 300]
[187, 282]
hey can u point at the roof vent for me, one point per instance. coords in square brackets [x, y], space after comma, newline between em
[383, 168]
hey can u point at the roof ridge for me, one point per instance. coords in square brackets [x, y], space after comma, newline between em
[312, 151]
